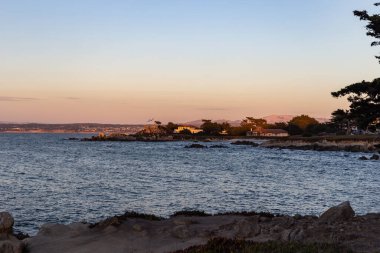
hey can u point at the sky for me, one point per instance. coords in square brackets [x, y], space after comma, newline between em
[126, 61]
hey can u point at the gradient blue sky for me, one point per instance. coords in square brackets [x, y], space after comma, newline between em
[127, 61]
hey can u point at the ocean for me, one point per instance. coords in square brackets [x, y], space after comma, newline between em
[46, 178]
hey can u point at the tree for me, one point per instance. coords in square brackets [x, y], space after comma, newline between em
[365, 102]
[253, 123]
[185, 132]
[341, 119]
[277, 125]
[210, 128]
[373, 26]
[170, 127]
[302, 122]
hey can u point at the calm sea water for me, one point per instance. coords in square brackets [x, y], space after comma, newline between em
[45, 178]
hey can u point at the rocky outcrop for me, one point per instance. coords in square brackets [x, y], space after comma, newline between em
[321, 144]
[373, 157]
[245, 143]
[6, 223]
[195, 145]
[143, 233]
[342, 212]
[8, 242]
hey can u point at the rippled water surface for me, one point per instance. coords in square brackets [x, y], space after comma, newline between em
[45, 178]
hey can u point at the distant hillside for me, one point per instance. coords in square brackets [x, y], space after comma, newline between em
[198, 123]
[270, 119]
[278, 118]
[286, 118]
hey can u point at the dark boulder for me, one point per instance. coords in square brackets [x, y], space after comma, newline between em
[218, 146]
[196, 146]
[363, 158]
[246, 143]
[375, 157]
[342, 212]
[8, 242]
[6, 222]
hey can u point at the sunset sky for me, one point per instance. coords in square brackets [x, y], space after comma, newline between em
[127, 61]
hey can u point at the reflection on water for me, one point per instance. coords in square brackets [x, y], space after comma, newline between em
[44, 178]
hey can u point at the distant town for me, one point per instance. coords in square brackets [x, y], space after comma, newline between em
[69, 128]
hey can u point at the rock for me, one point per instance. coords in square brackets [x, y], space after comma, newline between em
[375, 157]
[11, 246]
[342, 212]
[247, 143]
[296, 235]
[8, 243]
[6, 222]
[196, 146]
[242, 228]
[50, 229]
[137, 228]
[183, 222]
[181, 232]
[363, 158]
[218, 146]
[297, 216]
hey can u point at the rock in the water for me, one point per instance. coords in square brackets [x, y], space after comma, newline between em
[247, 143]
[6, 222]
[363, 158]
[196, 146]
[375, 157]
[218, 146]
[342, 212]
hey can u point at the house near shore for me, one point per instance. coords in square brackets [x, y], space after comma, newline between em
[268, 132]
[192, 129]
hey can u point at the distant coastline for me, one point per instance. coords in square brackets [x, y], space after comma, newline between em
[79, 128]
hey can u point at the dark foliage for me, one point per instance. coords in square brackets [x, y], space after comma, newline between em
[221, 245]
[211, 128]
[373, 26]
[364, 98]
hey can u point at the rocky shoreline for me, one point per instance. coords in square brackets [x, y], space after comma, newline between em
[318, 143]
[321, 144]
[134, 232]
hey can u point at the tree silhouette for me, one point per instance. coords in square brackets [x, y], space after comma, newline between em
[373, 26]
[365, 101]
